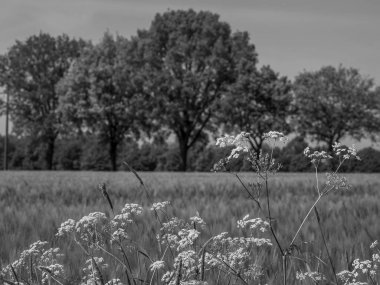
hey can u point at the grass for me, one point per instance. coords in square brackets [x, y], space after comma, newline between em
[34, 204]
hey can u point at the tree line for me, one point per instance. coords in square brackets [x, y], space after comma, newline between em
[169, 89]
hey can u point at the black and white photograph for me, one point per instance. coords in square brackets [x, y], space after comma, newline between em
[189, 142]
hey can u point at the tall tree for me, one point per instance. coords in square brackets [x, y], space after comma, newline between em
[335, 102]
[29, 71]
[189, 62]
[99, 94]
[259, 101]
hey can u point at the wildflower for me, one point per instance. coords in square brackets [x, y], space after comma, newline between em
[335, 182]
[275, 136]
[52, 269]
[159, 206]
[241, 143]
[115, 281]
[118, 235]
[121, 220]
[128, 212]
[253, 223]
[314, 276]
[159, 264]
[198, 221]
[89, 266]
[344, 152]
[66, 228]
[132, 209]
[90, 227]
[188, 236]
[316, 155]
[225, 141]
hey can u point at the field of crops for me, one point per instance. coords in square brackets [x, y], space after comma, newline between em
[34, 204]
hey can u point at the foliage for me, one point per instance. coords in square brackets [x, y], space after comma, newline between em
[188, 59]
[259, 100]
[335, 102]
[30, 71]
[98, 94]
[291, 157]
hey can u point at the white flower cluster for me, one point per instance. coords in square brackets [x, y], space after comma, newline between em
[188, 262]
[316, 156]
[121, 220]
[52, 269]
[37, 256]
[66, 228]
[128, 213]
[362, 269]
[253, 224]
[157, 265]
[241, 143]
[90, 228]
[196, 220]
[236, 252]
[91, 275]
[187, 238]
[335, 182]
[115, 281]
[132, 209]
[160, 206]
[169, 232]
[346, 153]
[118, 235]
[314, 276]
[274, 135]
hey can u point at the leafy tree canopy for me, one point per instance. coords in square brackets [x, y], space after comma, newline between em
[189, 60]
[334, 102]
[259, 101]
[99, 94]
[29, 71]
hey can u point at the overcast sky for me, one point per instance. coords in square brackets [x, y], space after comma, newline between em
[290, 35]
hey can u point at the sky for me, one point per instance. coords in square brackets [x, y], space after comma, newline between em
[290, 35]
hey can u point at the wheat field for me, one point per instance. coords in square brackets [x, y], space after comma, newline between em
[34, 204]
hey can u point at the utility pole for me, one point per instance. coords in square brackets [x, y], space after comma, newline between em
[6, 133]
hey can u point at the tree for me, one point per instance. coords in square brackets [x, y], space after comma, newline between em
[99, 94]
[259, 101]
[29, 71]
[334, 102]
[188, 62]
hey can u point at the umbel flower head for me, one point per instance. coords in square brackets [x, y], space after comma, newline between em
[274, 135]
[241, 143]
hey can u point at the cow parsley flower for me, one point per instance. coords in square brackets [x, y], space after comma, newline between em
[160, 206]
[252, 224]
[345, 152]
[66, 228]
[274, 135]
[157, 265]
[241, 143]
[198, 221]
[115, 281]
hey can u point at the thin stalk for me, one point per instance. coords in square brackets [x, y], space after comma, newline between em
[325, 244]
[316, 178]
[270, 217]
[121, 263]
[284, 269]
[304, 220]
[247, 190]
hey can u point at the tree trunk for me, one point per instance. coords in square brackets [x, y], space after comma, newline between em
[183, 152]
[113, 155]
[49, 154]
